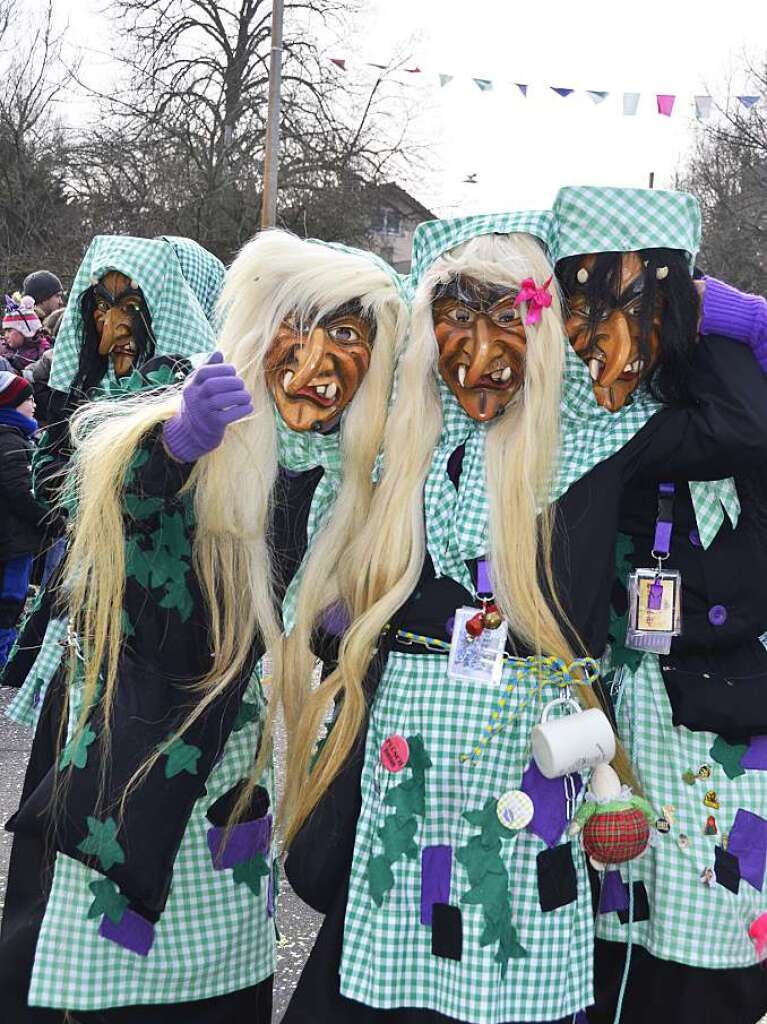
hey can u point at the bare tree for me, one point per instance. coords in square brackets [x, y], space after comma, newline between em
[728, 173]
[34, 213]
[180, 143]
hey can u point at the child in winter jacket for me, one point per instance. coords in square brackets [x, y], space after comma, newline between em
[20, 515]
[25, 340]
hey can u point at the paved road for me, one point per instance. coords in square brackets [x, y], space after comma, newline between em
[297, 924]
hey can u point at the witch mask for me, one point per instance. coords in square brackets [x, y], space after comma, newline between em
[611, 329]
[118, 305]
[314, 367]
[481, 339]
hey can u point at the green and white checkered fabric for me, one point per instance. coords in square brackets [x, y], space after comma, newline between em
[591, 218]
[691, 923]
[179, 321]
[203, 272]
[387, 960]
[214, 936]
[433, 237]
[26, 706]
[712, 500]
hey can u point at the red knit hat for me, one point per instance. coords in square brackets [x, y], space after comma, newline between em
[21, 316]
[13, 390]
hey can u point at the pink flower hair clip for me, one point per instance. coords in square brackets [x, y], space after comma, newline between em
[537, 297]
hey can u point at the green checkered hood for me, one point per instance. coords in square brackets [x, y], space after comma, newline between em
[457, 520]
[590, 219]
[203, 272]
[179, 319]
[301, 451]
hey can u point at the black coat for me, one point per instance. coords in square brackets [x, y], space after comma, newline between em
[21, 516]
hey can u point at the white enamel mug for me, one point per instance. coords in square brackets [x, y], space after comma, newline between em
[572, 742]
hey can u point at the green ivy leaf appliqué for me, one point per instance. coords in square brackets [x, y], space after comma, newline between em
[76, 751]
[182, 757]
[250, 873]
[101, 843]
[489, 883]
[397, 834]
[108, 901]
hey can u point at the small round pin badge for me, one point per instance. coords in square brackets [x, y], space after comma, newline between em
[515, 809]
[395, 753]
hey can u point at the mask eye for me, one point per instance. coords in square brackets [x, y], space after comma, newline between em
[634, 309]
[460, 314]
[507, 317]
[132, 306]
[102, 305]
[344, 334]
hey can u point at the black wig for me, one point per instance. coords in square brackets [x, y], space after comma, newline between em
[669, 380]
[92, 366]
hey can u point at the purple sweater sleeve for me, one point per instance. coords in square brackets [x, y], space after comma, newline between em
[734, 314]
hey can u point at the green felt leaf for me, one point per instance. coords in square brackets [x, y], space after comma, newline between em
[478, 859]
[419, 760]
[142, 508]
[729, 756]
[246, 713]
[509, 948]
[487, 820]
[129, 629]
[162, 376]
[396, 835]
[250, 873]
[492, 889]
[137, 462]
[182, 757]
[76, 751]
[409, 797]
[166, 569]
[137, 563]
[380, 879]
[171, 535]
[108, 901]
[178, 597]
[101, 843]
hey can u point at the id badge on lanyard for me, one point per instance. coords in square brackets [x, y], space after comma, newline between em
[655, 595]
[479, 637]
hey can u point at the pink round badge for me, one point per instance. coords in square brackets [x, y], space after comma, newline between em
[395, 753]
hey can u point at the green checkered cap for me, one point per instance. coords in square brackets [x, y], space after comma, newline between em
[203, 272]
[433, 237]
[179, 321]
[588, 218]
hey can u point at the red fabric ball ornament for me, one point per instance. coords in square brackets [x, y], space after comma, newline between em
[616, 836]
[475, 625]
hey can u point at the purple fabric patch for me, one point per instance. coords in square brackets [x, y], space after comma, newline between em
[756, 755]
[436, 869]
[748, 842]
[270, 895]
[243, 843]
[335, 619]
[484, 583]
[132, 932]
[549, 802]
[581, 1018]
[614, 894]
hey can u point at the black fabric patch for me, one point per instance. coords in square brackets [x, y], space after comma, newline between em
[557, 881]
[446, 931]
[727, 869]
[218, 813]
[641, 905]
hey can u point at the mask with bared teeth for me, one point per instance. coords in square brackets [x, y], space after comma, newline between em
[482, 342]
[314, 367]
[617, 341]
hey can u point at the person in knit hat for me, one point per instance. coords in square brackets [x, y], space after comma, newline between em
[20, 514]
[47, 291]
[24, 340]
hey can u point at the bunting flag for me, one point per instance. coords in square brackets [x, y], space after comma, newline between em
[630, 103]
[703, 106]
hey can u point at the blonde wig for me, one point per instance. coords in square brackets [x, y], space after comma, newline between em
[275, 275]
[388, 555]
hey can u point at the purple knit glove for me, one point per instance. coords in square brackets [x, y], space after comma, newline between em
[736, 315]
[212, 398]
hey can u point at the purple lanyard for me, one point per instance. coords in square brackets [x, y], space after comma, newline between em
[484, 583]
[664, 524]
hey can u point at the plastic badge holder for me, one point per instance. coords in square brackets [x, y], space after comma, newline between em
[655, 609]
[476, 659]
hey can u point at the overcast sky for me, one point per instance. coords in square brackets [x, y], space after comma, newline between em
[522, 150]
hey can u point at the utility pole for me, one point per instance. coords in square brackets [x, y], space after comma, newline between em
[272, 153]
[652, 179]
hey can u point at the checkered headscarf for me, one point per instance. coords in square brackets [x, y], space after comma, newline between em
[180, 322]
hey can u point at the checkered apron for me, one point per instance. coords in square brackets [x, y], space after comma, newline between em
[26, 706]
[387, 959]
[690, 922]
[179, 320]
[214, 936]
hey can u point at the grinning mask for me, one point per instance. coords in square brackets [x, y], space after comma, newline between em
[482, 340]
[615, 320]
[314, 368]
[118, 310]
